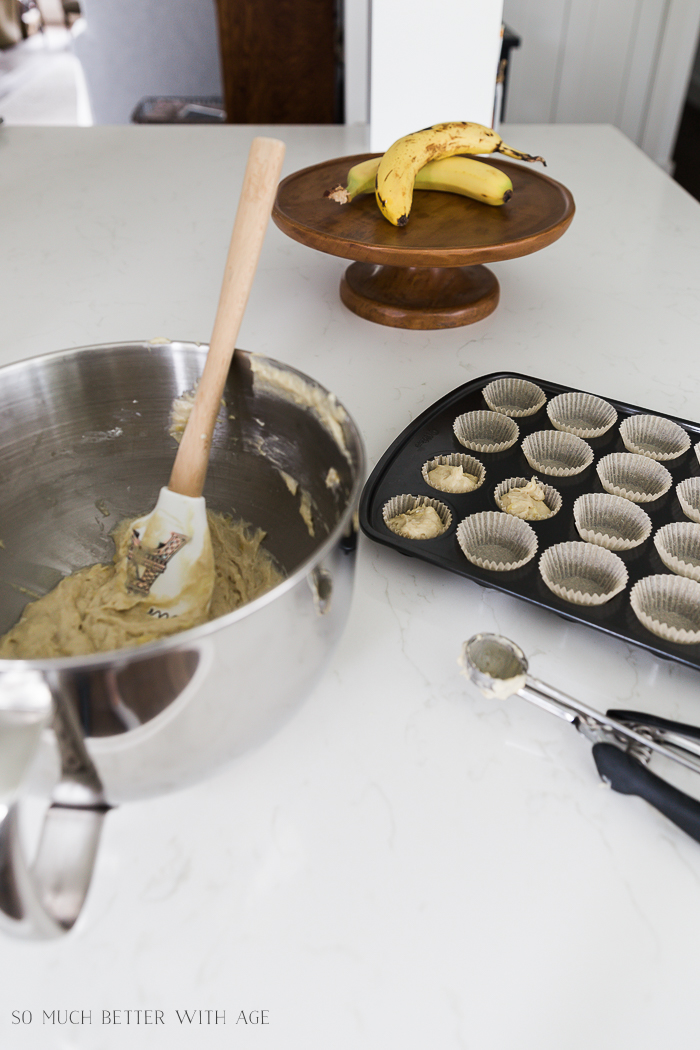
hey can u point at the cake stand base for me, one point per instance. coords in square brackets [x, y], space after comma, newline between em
[420, 297]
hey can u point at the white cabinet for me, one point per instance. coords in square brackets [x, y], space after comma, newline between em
[620, 62]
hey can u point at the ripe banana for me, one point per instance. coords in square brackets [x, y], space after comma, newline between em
[403, 160]
[463, 175]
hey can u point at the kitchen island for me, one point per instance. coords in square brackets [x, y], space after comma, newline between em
[406, 864]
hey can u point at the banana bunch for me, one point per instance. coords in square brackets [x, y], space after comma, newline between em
[433, 159]
[400, 164]
[463, 175]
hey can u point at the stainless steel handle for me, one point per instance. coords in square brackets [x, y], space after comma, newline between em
[44, 899]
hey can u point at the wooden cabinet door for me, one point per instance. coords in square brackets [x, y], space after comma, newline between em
[281, 61]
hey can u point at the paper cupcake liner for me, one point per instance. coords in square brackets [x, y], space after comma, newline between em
[514, 397]
[552, 499]
[583, 574]
[678, 545]
[485, 431]
[654, 436]
[584, 415]
[688, 493]
[401, 504]
[697, 451]
[611, 521]
[496, 541]
[557, 453]
[455, 459]
[634, 477]
[668, 606]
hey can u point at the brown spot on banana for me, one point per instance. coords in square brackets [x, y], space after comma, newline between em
[380, 199]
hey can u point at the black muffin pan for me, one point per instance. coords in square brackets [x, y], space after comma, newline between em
[431, 435]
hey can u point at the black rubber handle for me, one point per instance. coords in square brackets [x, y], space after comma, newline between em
[655, 722]
[627, 775]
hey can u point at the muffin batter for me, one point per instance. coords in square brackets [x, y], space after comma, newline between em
[418, 523]
[91, 611]
[452, 479]
[526, 503]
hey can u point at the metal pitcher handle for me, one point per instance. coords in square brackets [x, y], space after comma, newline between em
[43, 899]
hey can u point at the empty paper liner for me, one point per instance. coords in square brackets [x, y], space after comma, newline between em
[557, 452]
[611, 521]
[514, 397]
[633, 477]
[486, 431]
[582, 573]
[584, 415]
[669, 606]
[654, 436]
[688, 493]
[495, 541]
[678, 544]
[601, 522]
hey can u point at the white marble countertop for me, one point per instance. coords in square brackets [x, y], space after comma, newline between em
[406, 864]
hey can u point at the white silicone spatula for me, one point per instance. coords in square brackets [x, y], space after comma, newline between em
[170, 558]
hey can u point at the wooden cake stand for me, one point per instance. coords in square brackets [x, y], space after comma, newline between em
[429, 273]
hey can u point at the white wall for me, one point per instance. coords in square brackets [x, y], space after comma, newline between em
[356, 42]
[134, 48]
[430, 63]
[620, 62]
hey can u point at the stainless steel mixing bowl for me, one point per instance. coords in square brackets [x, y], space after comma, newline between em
[84, 443]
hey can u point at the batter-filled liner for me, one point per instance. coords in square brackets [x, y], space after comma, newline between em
[458, 470]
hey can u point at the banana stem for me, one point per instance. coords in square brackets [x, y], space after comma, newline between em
[508, 152]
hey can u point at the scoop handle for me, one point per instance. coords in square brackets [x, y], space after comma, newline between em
[254, 207]
[628, 776]
[655, 722]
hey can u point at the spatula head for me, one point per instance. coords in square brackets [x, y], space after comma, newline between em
[169, 560]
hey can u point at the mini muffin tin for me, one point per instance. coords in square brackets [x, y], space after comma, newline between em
[431, 436]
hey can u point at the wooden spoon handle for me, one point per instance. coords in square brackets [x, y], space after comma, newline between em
[254, 207]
